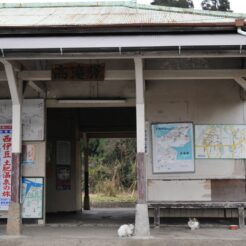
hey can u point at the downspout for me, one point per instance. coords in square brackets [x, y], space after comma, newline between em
[240, 31]
[239, 24]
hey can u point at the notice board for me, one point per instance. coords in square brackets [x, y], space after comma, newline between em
[32, 118]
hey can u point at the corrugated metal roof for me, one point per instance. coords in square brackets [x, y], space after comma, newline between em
[104, 13]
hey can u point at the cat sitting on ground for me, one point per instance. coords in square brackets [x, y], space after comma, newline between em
[193, 223]
[126, 230]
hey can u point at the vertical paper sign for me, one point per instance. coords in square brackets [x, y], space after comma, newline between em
[5, 165]
[28, 154]
[63, 153]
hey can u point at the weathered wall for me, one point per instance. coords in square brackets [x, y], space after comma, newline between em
[38, 168]
[200, 102]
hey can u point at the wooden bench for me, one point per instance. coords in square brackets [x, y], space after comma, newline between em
[240, 206]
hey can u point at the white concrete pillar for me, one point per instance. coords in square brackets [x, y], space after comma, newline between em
[14, 224]
[141, 218]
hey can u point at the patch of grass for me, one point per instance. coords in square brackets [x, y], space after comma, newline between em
[122, 197]
[120, 200]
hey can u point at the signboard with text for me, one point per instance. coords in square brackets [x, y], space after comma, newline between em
[5, 165]
[78, 72]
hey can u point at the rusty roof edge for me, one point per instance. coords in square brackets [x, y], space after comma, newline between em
[68, 4]
[180, 24]
[128, 4]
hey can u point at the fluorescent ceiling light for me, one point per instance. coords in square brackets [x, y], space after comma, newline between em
[92, 101]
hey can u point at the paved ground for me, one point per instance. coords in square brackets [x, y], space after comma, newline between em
[102, 231]
[64, 235]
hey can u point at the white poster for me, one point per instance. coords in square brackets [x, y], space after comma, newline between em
[32, 118]
[5, 165]
[173, 149]
[63, 153]
[28, 154]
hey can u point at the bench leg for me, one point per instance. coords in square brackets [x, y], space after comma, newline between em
[157, 218]
[241, 217]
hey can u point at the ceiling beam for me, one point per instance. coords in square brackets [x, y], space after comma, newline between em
[37, 88]
[45, 75]
[114, 75]
[208, 74]
[53, 103]
[241, 82]
[131, 55]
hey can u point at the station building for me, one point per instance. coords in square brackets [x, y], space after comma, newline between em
[173, 78]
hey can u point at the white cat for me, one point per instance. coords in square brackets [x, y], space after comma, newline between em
[193, 224]
[126, 230]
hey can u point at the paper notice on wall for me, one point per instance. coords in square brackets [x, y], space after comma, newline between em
[32, 118]
[5, 165]
[28, 154]
[63, 153]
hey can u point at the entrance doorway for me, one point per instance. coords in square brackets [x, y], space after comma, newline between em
[65, 168]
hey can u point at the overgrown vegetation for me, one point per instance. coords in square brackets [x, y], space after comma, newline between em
[174, 3]
[112, 166]
[216, 5]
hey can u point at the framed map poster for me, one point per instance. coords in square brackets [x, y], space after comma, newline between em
[220, 141]
[173, 148]
[32, 197]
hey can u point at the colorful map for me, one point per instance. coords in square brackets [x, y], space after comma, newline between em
[32, 198]
[220, 141]
[173, 147]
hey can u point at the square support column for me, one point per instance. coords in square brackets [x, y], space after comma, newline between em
[86, 173]
[14, 224]
[142, 217]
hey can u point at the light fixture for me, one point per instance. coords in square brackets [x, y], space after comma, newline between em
[92, 101]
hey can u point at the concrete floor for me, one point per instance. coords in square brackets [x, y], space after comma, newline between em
[112, 216]
[55, 235]
[99, 228]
